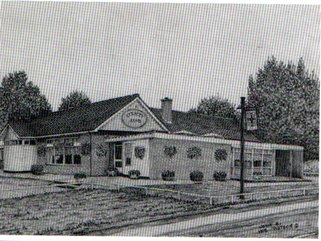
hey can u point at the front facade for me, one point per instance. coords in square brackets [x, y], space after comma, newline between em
[127, 134]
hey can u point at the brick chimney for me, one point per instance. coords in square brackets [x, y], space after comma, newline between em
[167, 104]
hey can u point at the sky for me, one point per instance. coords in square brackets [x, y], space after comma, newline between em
[182, 51]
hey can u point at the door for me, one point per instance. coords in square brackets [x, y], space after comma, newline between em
[282, 163]
[118, 154]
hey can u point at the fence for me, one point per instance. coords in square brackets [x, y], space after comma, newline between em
[212, 200]
[170, 193]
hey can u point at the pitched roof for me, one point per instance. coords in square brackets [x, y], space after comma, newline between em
[79, 119]
[198, 124]
[89, 117]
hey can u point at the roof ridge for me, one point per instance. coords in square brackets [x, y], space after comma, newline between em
[200, 114]
[79, 107]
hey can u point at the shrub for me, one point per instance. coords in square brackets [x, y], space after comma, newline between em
[220, 176]
[37, 169]
[196, 176]
[134, 173]
[80, 175]
[111, 171]
[168, 175]
[1, 164]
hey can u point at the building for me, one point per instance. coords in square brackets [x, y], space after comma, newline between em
[127, 134]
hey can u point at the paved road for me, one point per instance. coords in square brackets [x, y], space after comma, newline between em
[177, 228]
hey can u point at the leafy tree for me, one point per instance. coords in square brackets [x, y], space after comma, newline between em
[215, 106]
[286, 97]
[20, 99]
[74, 99]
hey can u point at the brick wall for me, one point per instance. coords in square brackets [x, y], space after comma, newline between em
[182, 165]
[97, 164]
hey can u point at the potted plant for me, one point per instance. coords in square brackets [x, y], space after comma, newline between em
[37, 169]
[134, 174]
[112, 171]
[196, 176]
[79, 177]
[168, 175]
[257, 175]
[219, 176]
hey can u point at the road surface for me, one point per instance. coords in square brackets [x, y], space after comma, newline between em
[285, 220]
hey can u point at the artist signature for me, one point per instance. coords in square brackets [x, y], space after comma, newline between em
[276, 227]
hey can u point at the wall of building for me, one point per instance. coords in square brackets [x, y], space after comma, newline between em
[136, 163]
[181, 164]
[91, 164]
[19, 158]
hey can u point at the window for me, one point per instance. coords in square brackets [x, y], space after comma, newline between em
[67, 155]
[257, 163]
[77, 159]
[118, 152]
[237, 163]
[128, 161]
[119, 164]
[32, 142]
[59, 158]
[128, 153]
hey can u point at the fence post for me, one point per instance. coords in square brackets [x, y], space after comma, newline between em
[146, 191]
[179, 195]
[304, 192]
[211, 200]
[118, 187]
[232, 199]
[252, 196]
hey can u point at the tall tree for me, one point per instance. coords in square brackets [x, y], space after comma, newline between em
[215, 106]
[287, 100]
[20, 99]
[74, 99]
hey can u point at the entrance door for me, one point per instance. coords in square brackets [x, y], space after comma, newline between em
[118, 154]
[282, 163]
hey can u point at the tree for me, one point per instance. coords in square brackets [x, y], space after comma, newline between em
[286, 97]
[20, 99]
[215, 106]
[74, 99]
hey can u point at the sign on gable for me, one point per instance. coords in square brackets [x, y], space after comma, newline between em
[134, 118]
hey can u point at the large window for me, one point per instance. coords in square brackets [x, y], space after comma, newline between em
[63, 152]
[256, 162]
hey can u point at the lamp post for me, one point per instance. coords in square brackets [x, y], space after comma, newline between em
[242, 147]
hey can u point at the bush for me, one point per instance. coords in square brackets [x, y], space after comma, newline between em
[80, 175]
[111, 171]
[168, 175]
[220, 176]
[1, 164]
[134, 173]
[196, 176]
[37, 169]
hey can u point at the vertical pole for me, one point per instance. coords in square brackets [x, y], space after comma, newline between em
[242, 147]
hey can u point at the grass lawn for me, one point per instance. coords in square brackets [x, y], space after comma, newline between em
[15, 187]
[83, 211]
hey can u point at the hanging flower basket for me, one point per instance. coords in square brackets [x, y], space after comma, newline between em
[102, 150]
[170, 151]
[85, 149]
[140, 152]
[194, 152]
[41, 150]
[220, 155]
